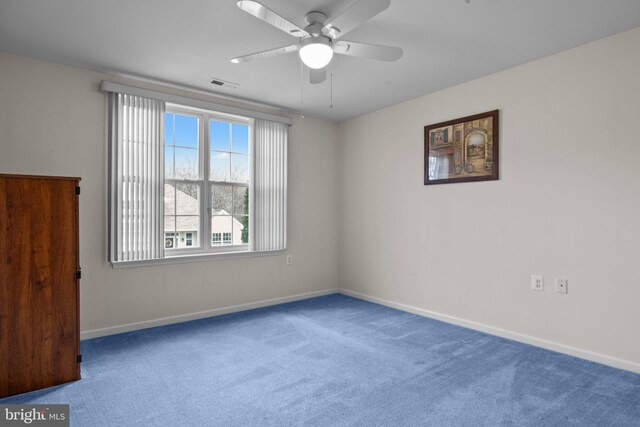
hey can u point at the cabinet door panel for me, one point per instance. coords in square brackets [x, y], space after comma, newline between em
[39, 334]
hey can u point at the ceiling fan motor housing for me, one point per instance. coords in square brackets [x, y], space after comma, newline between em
[315, 21]
[316, 40]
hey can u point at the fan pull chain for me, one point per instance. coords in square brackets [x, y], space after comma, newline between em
[331, 85]
[301, 89]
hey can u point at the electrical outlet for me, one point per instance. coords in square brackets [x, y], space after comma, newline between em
[537, 282]
[289, 259]
[562, 285]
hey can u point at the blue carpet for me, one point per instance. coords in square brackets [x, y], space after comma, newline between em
[335, 361]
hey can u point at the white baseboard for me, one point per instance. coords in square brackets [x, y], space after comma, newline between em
[515, 336]
[94, 333]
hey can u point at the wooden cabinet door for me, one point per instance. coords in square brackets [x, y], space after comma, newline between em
[39, 322]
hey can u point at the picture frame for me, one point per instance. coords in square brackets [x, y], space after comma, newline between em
[462, 150]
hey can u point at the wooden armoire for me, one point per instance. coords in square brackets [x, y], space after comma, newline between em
[39, 282]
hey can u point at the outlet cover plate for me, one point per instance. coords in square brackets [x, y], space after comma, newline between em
[537, 282]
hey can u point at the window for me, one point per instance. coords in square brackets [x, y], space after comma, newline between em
[229, 177]
[206, 180]
[226, 239]
[185, 181]
[216, 239]
[182, 183]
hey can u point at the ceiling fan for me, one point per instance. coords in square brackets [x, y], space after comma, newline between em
[321, 37]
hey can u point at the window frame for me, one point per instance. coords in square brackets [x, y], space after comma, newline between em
[205, 245]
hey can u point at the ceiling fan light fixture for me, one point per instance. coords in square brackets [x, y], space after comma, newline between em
[316, 52]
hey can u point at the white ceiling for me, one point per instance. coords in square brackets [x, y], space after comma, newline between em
[187, 42]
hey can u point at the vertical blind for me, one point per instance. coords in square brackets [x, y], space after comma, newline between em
[136, 126]
[270, 185]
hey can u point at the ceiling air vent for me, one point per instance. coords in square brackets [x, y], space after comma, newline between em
[223, 83]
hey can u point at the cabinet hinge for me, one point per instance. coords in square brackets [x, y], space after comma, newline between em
[79, 358]
[78, 190]
[79, 274]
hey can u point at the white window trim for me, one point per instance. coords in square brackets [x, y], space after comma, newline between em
[202, 257]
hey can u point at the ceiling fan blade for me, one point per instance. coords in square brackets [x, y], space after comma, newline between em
[270, 17]
[371, 51]
[359, 12]
[317, 75]
[266, 54]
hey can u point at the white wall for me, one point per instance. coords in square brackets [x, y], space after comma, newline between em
[52, 122]
[567, 204]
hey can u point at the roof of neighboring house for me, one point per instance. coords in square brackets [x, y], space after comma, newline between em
[187, 208]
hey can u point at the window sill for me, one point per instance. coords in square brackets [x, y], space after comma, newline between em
[182, 259]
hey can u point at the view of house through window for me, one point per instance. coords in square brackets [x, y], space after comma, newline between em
[229, 177]
[207, 176]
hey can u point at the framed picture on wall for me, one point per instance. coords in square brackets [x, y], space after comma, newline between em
[462, 150]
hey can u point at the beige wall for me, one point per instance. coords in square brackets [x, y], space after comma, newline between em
[52, 122]
[567, 203]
